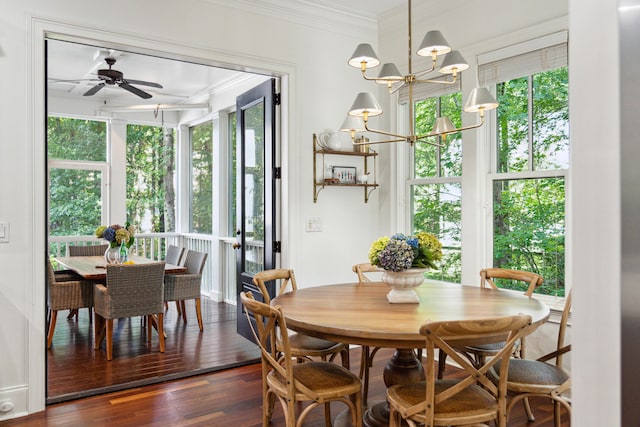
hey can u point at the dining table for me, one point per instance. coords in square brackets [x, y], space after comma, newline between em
[94, 268]
[359, 313]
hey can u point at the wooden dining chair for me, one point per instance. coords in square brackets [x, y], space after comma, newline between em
[317, 382]
[89, 250]
[528, 378]
[469, 399]
[131, 290]
[181, 287]
[488, 277]
[303, 346]
[65, 292]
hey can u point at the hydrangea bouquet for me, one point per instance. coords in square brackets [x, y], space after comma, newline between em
[401, 252]
[116, 234]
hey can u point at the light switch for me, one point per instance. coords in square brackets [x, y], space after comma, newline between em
[4, 232]
[312, 225]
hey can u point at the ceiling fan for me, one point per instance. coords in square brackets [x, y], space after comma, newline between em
[112, 77]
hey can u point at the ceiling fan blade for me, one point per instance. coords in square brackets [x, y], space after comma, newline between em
[143, 83]
[71, 80]
[94, 89]
[135, 90]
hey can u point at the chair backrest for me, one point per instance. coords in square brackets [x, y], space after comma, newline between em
[135, 290]
[270, 324]
[91, 250]
[173, 255]
[561, 348]
[443, 335]
[362, 268]
[532, 279]
[286, 276]
[194, 261]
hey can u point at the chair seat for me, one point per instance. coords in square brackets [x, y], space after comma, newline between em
[489, 348]
[532, 375]
[478, 404]
[308, 343]
[327, 380]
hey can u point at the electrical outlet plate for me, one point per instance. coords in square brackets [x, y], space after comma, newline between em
[4, 232]
[312, 225]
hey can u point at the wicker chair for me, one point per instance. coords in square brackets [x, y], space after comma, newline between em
[131, 290]
[479, 352]
[527, 378]
[174, 256]
[319, 383]
[92, 250]
[66, 292]
[181, 287]
[471, 398]
[303, 347]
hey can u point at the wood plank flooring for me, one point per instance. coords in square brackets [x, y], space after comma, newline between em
[75, 369]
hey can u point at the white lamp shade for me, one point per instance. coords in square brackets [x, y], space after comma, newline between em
[453, 62]
[480, 99]
[433, 42]
[441, 126]
[364, 52]
[365, 102]
[389, 71]
[352, 124]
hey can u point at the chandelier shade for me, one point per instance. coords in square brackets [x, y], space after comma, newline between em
[442, 126]
[453, 63]
[352, 124]
[364, 54]
[365, 104]
[480, 100]
[389, 73]
[433, 43]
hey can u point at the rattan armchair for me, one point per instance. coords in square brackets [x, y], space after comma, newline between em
[65, 292]
[181, 287]
[91, 250]
[303, 347]
[131, 290]
[316, 382]
[527, 378]
[469, 399]
[479, 352]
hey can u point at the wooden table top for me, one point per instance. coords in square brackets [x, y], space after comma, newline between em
[95, 267]
[360, 313]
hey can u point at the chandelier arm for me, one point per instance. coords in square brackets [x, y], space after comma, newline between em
[446, 82]
[381, 132]
[393, 90]
[401, 139]
[477, 125]
[423, 72]
[426, 141]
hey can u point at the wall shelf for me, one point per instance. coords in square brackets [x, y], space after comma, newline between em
[319, 183]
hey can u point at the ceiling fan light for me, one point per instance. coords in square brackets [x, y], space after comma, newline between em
[433, 43]
[480, 100]
[441, 126]
[453, 62]
[389, 71]
[352, 124]
[364, 53]
[365, 102]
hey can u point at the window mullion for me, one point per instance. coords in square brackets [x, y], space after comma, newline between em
[530, 121]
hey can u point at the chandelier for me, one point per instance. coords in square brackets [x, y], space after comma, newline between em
[435, 46]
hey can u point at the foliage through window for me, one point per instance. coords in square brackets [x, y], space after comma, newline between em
[436, 191]
[201, 207]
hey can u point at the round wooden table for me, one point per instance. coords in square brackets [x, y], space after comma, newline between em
[361, 314]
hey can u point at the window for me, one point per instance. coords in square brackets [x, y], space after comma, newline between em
[151, 202]
[436, 188]
[528, 182]
[232, 167]
[201, 207]
[76, 150]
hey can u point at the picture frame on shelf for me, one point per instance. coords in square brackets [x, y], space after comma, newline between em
[344, 174]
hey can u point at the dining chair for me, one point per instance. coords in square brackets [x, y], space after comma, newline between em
[527, 378]
[173, 255]
[303, 347]
[317, 382]
[90, 250]
[131, 290]
[469, 399]
[488, 277]
[65, 291]
[181, 287]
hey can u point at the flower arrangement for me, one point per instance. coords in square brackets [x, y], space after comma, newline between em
[116, 234]
[400, 252]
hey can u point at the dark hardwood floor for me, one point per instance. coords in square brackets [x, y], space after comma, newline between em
[228, 396]
[75, 369]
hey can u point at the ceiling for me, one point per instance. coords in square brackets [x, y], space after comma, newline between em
[72, 67]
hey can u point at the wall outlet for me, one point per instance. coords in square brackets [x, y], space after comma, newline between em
[4, 232]
[312, 225]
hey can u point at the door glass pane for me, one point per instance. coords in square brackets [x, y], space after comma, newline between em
[201, 220]
[254, 188]
[75, 139]
[529, 229]
[437, 210]
[75, 207]
[233, 164]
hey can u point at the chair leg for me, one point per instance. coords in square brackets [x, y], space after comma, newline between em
[442, 359]
[527, 409]
[109, 328]
[182, 310]
[161, 331]
[98, 331]
[72, 313]
[327, 414]
[149, 326]
[199, 314]
[52, 327]
[179, 308]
